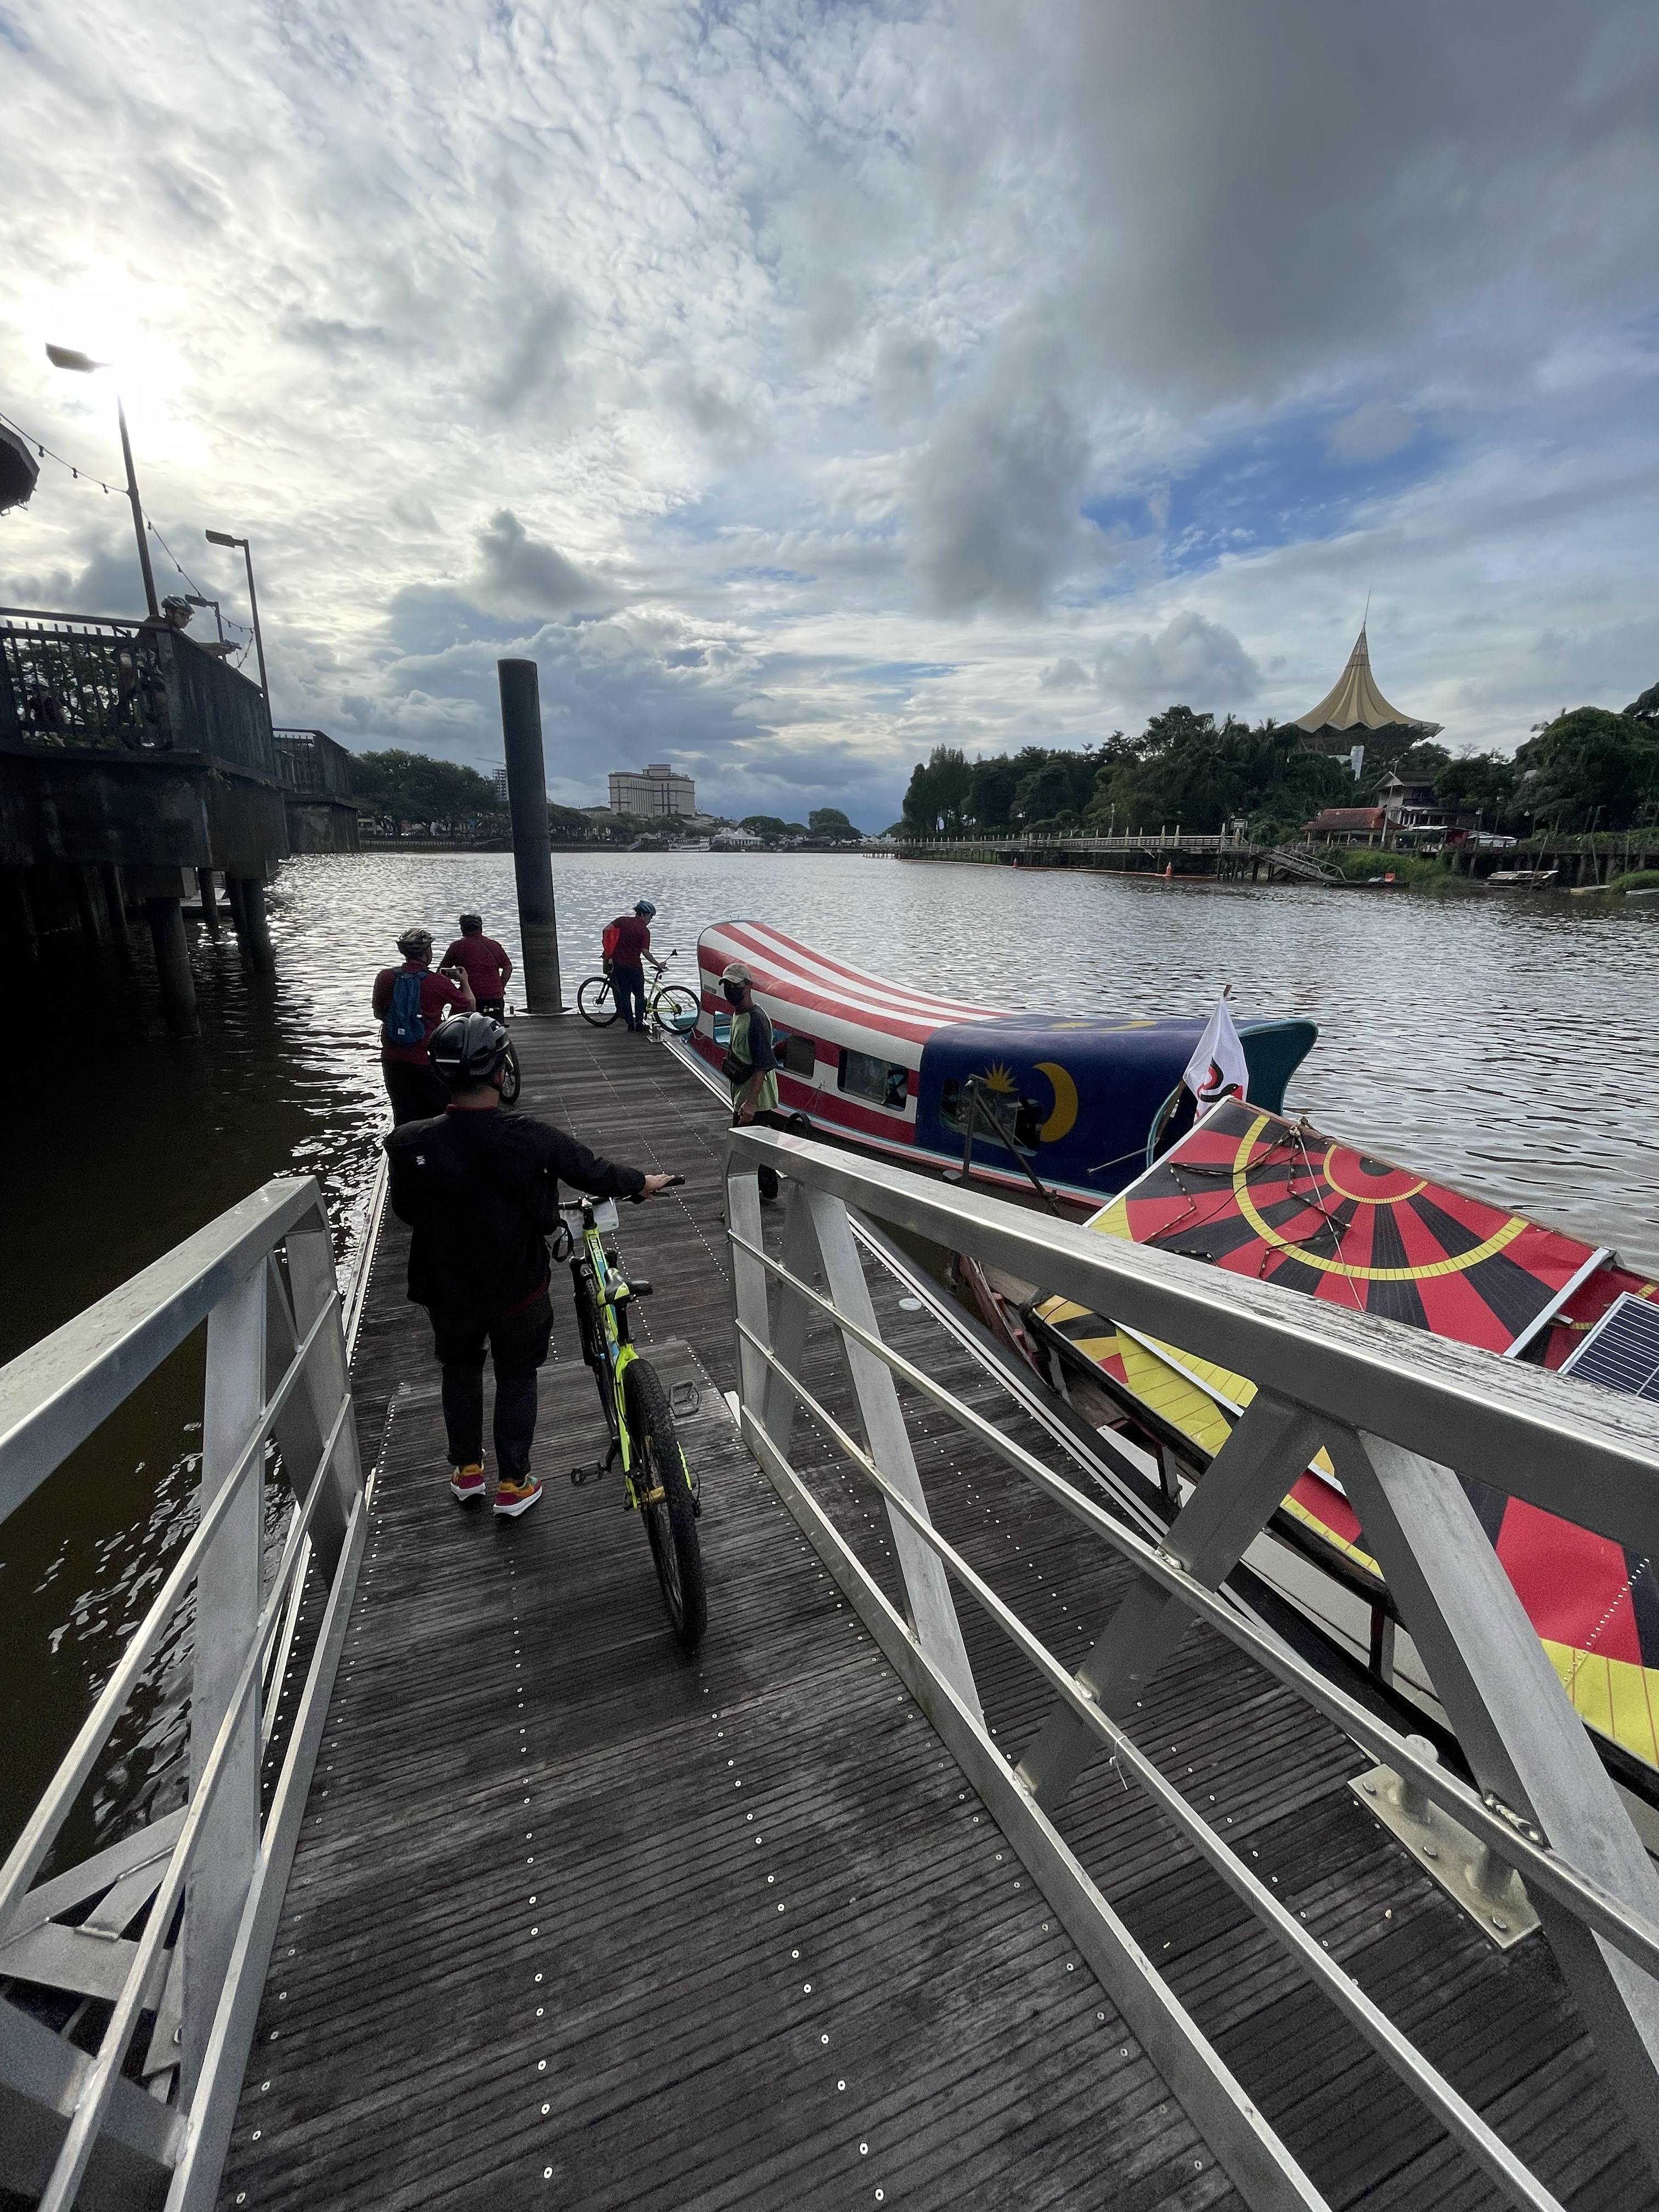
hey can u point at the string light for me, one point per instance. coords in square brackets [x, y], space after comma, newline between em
[79, 474]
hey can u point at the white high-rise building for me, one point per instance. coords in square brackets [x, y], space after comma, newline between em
[659, 789]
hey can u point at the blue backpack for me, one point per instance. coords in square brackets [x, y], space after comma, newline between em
[403, 1024]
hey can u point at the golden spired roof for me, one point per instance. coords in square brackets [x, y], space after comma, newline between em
[1354, 702]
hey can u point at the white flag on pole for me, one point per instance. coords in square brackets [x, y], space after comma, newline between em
[1217, 1068]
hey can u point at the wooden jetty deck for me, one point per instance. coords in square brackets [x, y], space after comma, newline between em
[574, 1921]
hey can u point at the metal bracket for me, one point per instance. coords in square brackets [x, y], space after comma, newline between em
[1474, 1878]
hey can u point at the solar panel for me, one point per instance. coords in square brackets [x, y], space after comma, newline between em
[1622, 1351]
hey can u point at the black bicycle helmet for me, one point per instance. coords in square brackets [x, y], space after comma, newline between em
[413, 941]
[645, 908]
[467, 1049]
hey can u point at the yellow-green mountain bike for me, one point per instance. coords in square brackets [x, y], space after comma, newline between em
[656, 1483]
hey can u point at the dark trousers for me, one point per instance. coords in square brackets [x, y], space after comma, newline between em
[518, 1346]
[627, 984]
[767, 1177]
[416, 1088]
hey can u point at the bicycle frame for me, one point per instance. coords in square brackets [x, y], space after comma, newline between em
[603, 1298]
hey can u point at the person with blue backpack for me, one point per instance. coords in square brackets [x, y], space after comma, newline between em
[410, 1001]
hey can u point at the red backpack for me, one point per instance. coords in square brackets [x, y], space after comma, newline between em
[608, 942]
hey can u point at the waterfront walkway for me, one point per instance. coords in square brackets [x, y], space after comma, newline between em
[574, 1921]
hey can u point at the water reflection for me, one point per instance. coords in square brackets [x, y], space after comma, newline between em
[1503, 1042]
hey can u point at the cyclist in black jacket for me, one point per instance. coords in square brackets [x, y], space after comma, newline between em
[479, 1187]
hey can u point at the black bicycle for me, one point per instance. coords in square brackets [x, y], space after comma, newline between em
[656, 1483]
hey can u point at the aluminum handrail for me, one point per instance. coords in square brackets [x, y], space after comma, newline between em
[1397, 1410]
[1460, 2117]
[245, 1645]
[53, 1396]
[1634, 1933]
[1588, 1457]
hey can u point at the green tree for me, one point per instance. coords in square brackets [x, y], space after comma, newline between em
[568, 824]
[769, 826]
[934, 803]
[406, 787]
[1478, 783]
[1589, 770]
[830, 822]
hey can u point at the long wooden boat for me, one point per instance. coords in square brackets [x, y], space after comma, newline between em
[1086, 1101]
[1096, 1108]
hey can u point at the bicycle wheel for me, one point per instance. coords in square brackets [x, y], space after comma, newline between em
[596, 1002]
[677, 1008]
[510, 1078]
[670, 1523]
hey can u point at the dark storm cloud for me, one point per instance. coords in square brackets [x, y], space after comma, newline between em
[528, 576]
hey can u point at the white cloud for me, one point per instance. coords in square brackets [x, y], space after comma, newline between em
[1372, 432]
[1191, 660]
[851, 375]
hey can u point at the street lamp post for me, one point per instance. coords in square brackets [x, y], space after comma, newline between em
[223, 537]
[83, 365]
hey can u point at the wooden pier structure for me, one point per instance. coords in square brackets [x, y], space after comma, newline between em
[486, 1895]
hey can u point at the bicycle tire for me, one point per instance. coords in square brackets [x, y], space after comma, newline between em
[672, 1526]
[675, 1007]
[510, 1078]
[596, 1002]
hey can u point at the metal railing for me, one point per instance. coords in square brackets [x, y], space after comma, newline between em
[76, 685]
[309, 762]
[1397, 1412]
[133, 2100]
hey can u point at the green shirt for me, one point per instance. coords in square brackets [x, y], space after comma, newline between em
[765, 1098]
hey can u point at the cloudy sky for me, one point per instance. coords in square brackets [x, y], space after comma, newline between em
[802, 386]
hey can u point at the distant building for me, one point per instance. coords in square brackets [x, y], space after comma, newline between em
[1409, 803]
[659, 789]
[1353, 707]
[735, 840]
[501, 786]
[1348, 825]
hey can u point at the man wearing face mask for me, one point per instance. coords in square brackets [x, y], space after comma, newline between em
[752, 1063]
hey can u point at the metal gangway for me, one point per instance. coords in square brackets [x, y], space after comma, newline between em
[131, 2098]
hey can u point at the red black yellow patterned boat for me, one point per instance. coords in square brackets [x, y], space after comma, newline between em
[1258, 1195]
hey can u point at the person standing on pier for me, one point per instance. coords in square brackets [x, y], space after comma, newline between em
[751, 1062]
[480, 1188]
[410, 1001]
[630, 948]
[487, 965]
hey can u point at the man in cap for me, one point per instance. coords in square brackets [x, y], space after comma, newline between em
[751, 1062]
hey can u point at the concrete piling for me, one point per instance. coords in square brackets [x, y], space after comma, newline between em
[210, 901]
[166, 932]
[533, 859]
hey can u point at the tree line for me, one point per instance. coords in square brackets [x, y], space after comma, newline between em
[1588, 769]
[445, 799]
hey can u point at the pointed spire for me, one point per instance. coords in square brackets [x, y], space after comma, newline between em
[1354, 702]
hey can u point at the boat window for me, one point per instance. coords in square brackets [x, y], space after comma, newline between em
[800, 1056]
[722, 1021]
[1018, 1117]
[883, 1082]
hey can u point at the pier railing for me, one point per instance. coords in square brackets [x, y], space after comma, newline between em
[1402, 1415]
[309, 763]
[72, 684]
[129, 1984]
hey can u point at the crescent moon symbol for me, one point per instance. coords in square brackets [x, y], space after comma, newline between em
[1059, 1123]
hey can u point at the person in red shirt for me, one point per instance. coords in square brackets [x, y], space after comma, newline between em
[487, 964]
[630, 951]
[410, 1002]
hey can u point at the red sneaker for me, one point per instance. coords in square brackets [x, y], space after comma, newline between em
[513, 1499]
[468, 1484]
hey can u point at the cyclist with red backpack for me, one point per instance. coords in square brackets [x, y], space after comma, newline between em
[626, 946]
[410, 1001]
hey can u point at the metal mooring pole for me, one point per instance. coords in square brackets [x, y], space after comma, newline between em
[532, 858]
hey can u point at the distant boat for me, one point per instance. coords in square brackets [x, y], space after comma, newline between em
[1078, 1103]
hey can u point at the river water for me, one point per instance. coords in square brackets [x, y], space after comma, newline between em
[1504, 1041]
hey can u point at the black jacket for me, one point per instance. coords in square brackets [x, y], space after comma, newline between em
[476, 1188]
